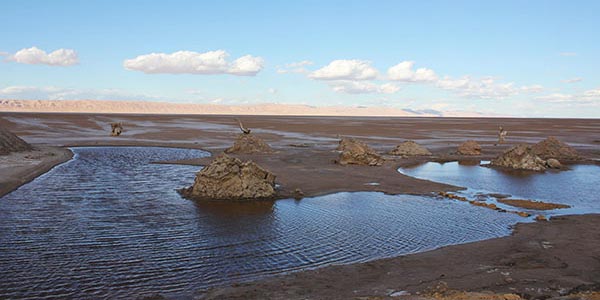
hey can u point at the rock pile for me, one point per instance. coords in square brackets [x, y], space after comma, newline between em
[9, 142]
[249, 143]
[116, 129]
[410, 148]
[228, 178]
[553, 148]
[357, 153]
[521, 157]
[469, 148]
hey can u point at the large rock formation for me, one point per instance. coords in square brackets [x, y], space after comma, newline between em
[553, 148]
[410, 148]
[9, 142]
[249, 143]
[469, 148]
[228, 178]
[521, 157]
[357, 153]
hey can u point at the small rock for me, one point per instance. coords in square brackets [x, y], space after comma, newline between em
[520, 157]
[357, 153]
[248, 144]
[553, 163]
[410, 148]
[553, 148]
[469, 148]
[116, 129]
[298, 194]
[540, 218]
[228, 178]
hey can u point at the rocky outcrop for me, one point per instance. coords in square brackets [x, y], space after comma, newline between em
[357, 153]
[228, 178]
[520, 157]
[553, 148]
[116, 129]
[9, 142]
[249, 143]
[410, 148]
[469, 148]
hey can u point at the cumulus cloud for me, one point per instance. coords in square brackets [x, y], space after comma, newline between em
[189, 62]
[404, 72]
[362, 87]
[58, 93]
[573, 80]
[344, 69]
[36, 56]
[295, 67]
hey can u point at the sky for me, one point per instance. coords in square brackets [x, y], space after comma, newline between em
[518, 58]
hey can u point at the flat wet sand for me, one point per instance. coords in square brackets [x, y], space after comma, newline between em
[560, 254]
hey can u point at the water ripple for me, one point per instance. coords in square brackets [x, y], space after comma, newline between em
[110, 225]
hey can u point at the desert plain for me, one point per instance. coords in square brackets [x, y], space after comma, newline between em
[559, 259]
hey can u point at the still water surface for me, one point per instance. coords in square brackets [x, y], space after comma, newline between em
[108, 224]
[578, 187]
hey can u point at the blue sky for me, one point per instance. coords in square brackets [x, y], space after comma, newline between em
[522, 58]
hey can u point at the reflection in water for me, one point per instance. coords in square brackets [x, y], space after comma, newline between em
[578, 187]
[110, 225]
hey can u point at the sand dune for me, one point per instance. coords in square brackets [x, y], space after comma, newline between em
[147, 107]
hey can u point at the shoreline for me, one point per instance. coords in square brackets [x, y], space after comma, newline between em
[537, 261]
[43, 159]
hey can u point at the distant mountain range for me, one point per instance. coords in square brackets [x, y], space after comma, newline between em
[149, 107]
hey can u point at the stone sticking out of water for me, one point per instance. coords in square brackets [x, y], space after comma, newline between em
[228, 178]
[469, 147]
[520, 157]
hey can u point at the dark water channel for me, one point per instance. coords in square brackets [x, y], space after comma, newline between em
[108, 224]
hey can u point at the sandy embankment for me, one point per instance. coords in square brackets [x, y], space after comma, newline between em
[539, 259]
[19, 168]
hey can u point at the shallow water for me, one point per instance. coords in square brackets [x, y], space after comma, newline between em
[108, 224]
[578, 187]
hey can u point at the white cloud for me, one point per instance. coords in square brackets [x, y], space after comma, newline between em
[36, 56]
[58, 93]
[484, 88]
[589, 97]
[189, 62]
[573, 80]
[344, 69]
[535, 88]
[592, 94]
[362, 87]
[295, 67]
[404, 72]
[272, 91]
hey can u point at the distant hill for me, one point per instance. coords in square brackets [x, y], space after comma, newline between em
[148, 107]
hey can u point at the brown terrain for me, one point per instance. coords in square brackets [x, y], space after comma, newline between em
[544, 259]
